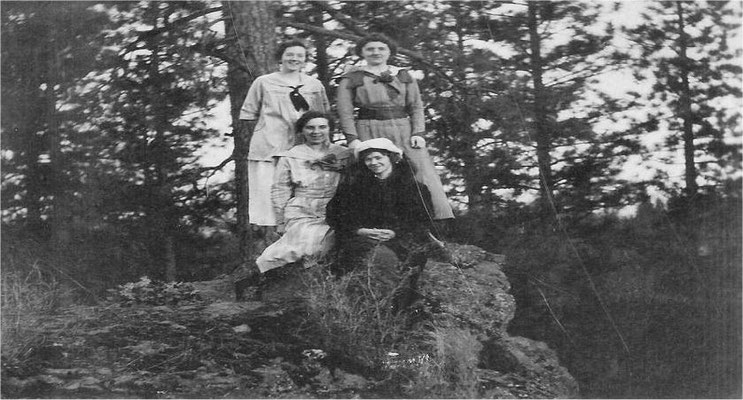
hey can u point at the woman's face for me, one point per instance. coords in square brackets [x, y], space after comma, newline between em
[316, 131]
[379, 164]
[293, 59]
[375, 53]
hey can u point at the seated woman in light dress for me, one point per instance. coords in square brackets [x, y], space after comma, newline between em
[305, 180]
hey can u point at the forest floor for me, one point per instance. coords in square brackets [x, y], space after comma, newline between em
[207, 347]
[174, 340]
[203, 346]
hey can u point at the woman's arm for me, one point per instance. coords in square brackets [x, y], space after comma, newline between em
[281, 189]
[413, 207]
[414, 107]
[324, 101]
[251, 107]
[340, 212]
[344, 102]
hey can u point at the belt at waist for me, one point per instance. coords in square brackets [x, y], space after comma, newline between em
[382, 113]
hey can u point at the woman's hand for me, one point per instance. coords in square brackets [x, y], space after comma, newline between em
[380, 235]
[417, 142]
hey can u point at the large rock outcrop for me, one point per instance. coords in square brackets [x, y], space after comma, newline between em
[477, 298]
[464, 291]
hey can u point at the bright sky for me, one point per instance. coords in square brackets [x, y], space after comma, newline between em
[616, 83]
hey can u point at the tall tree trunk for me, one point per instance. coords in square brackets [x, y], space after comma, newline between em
[171, 271]
[690, 174]
[541, 128]
[254, 24]
[61, 235]
[321, 58]
[161, 206]
[36, 177]
[472, 179]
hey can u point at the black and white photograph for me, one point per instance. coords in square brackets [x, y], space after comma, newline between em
[390, 199]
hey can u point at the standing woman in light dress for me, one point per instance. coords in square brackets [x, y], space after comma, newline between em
[306, 178]
[274, 103]
[389, 106]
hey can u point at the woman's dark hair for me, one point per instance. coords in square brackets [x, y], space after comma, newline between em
[306, 117]
[285, 45]
[376, 37]
[394, 157]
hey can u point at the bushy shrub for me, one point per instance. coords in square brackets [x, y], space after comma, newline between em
[354, 318]
[412, 356]
[670, 280]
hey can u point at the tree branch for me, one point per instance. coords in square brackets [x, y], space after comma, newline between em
[213, 51]
[414, 55]
[346, 36]
[345, 20]
[219, 167]
[146, 35]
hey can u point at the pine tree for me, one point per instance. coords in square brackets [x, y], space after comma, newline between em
[691, 64]
[557, 50]
[252, 25]
[142, 119]
[46, 48]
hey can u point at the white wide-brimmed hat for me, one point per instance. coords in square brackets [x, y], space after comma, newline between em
[378, 143]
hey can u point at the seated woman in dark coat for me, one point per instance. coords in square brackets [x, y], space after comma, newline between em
[381, 205]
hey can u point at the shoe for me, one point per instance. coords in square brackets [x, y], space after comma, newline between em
[244, 279]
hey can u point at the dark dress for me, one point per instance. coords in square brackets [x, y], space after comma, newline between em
[399, 203]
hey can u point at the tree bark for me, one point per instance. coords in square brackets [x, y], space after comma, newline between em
[160, 206]
[472, 179]
[61, 235]
[541, 126]
[321, 58]
[690, 175]
[254, 25]
[171, 271]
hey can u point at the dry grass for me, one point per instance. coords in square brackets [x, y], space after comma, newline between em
[353, 316]
[27, 296]
[449, 371]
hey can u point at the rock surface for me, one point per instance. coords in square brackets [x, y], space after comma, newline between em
[209, 346]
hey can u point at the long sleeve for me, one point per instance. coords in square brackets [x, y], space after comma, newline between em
[415, 208]
[281, 190]
[344, 102]
[325, 101]
[251, 107]
[414, 107]
[336, 212]
[340, 212]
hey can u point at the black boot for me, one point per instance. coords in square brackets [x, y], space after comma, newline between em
[245, 278]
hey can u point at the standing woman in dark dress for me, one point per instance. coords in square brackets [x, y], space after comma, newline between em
[389, 105]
